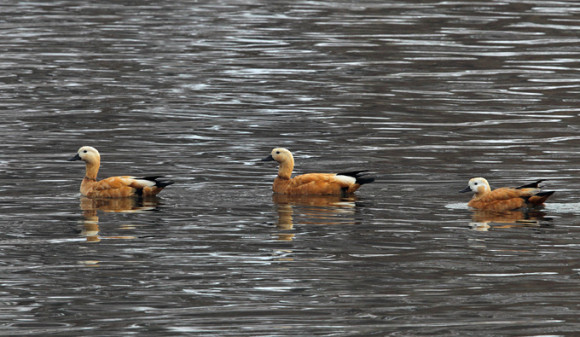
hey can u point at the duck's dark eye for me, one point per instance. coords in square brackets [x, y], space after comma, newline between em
[474, 183]
[277, 152]
[85, 151]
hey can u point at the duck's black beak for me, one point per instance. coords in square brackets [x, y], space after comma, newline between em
[269, 158]
[467, 189]
[76, 157]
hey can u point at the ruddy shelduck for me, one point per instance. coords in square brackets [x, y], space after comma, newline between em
[313, 183]
[505, 198]
[114, 187]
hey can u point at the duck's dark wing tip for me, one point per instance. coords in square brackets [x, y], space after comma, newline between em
[532, 185]
[361, 176]
[159, 183]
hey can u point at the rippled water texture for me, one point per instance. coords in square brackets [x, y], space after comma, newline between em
[425, 94]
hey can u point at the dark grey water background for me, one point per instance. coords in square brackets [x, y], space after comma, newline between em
[427, 94]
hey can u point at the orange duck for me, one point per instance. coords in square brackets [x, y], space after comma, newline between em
[114, 187]
[313, 183]
[505, 198]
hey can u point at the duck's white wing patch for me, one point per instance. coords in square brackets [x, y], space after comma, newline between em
[145, 183]
[347, 180]
[140, 182]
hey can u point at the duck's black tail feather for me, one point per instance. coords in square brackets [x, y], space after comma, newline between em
[163, 183]
[538, 198]
[362, 177]
[159, 183]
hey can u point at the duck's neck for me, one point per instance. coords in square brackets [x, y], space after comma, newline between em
[92, 168]
[482, 190]
[285, 170]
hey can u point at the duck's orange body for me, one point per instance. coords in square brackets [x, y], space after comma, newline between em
[114, 187]
[313, 183]
[316, 183]
[505, 198]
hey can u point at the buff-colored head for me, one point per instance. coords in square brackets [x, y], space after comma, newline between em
[281, 155]
[477, 185]
[87, 154]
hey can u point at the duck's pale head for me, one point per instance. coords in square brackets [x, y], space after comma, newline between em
[477, 185]
[280, 155]
[87, 154]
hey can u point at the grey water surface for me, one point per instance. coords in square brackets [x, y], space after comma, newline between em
[425, 94]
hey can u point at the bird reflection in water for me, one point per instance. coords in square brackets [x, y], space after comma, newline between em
[90, 206]
[489, 220]
[312, 210]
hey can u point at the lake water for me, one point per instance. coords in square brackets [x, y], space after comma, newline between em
[425, 94]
